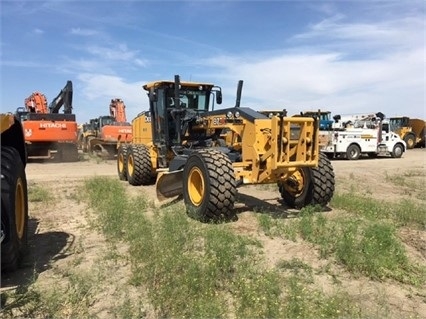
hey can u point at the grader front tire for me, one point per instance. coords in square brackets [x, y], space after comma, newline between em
[121, 162]
[209, 186]
[14, 208]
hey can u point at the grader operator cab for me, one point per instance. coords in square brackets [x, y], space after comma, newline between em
[14, 195]
[205, 154]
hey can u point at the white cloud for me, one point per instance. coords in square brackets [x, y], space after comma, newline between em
[116, 53]
[83, 32]
[98, 90]
[372, 67]
[392, 84]
[38, 31]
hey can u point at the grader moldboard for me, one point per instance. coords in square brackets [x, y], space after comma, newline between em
[204, 154]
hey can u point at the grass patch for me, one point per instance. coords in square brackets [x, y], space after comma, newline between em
[190, 269]
[403, 213]
[37, 193]
[365, 244]
[374, 250]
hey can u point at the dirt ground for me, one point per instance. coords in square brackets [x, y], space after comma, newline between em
[55, 231]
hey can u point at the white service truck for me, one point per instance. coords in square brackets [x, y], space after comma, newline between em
[354, 142]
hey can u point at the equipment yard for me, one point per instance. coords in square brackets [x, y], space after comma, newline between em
[72, 269]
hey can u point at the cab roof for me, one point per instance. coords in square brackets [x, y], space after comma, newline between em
[153, 84]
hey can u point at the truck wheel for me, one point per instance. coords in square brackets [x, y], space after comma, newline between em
[353, 152]
[209, 186]
[410, 139]
[14, 208]
[121, 162]
[309, 186]
[138, 165]
[397, 151]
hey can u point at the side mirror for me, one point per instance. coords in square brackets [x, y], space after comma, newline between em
[218, 97]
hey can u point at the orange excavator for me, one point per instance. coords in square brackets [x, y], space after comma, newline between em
[101, 135]
[48, 133]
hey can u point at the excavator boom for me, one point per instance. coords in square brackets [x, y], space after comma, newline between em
[117, 109]
[36, 103]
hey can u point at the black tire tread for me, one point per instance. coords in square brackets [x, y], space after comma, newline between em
[223, 189]
[122, 150]
[319, 189]
[142, 173]
[323, 182]
[12, 248]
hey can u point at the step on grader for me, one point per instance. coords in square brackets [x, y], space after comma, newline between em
[190, 149]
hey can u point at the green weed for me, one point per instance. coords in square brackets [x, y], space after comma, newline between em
[37, 193]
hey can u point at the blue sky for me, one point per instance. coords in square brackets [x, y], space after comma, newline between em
[343, 56]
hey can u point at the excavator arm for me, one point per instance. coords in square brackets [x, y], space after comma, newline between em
[117, 109]
[64, 99]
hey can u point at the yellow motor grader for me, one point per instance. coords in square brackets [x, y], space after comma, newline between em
[203, 154]
[14, 195]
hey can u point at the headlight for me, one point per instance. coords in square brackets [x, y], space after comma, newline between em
[229, 115]
[237, 114]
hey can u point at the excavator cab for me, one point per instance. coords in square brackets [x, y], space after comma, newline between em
[106, 120]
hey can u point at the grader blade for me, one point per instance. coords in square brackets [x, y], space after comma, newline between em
[169, 184]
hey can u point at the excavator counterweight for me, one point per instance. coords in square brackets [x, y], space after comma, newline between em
[48, 133]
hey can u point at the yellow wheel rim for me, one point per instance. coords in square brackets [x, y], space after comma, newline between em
[296, 183]
[20, 208]
[196, 187]
[130, 165]
[121, 163]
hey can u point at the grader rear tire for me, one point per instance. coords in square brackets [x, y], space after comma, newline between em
[121, 162]
[296, 190]
[309, 186]
[14, 208]
[209, 186]
[324, 182]
[138, 165]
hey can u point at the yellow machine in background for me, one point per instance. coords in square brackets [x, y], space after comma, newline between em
[190, 149]
[14, 195]
[412, 131]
